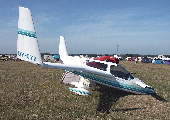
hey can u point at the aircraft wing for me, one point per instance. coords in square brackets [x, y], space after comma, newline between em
[79, 68]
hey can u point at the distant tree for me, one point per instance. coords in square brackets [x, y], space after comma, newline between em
[145, 56]
[92, 55]
[99, 55]
[42, 54]
[128, 55]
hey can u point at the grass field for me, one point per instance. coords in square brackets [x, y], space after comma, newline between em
[31, 92]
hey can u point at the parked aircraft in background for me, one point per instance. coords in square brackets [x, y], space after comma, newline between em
[102, 72]
[107, 59]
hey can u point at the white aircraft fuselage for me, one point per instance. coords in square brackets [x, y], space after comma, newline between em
[122, 80]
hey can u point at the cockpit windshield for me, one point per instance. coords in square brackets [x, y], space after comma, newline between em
[97, 65]
[121, 72]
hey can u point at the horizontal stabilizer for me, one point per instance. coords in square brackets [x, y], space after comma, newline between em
[80, 91]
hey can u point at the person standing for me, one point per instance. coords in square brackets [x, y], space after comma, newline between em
[136, 60]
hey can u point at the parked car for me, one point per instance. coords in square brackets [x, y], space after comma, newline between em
[3, 57]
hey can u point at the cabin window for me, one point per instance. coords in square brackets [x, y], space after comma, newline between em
[121, 72]
[97, 65]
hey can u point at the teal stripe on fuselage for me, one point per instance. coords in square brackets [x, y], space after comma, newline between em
[114, 83]
[27, 33]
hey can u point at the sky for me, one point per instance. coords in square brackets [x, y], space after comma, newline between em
[91, 26]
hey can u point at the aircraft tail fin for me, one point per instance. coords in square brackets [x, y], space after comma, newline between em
[63, 51]
[62, 47]
[27, 44]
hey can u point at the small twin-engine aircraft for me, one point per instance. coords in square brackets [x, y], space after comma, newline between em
[101, 72]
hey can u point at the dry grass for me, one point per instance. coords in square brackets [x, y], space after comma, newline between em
[31, 92]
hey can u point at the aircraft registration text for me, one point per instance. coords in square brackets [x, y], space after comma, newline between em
[28, 56]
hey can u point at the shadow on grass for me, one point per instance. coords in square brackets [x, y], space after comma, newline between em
[158, 97]
[129, 109]
[108, 97]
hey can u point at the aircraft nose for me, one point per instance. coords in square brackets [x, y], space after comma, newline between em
[149, 88]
